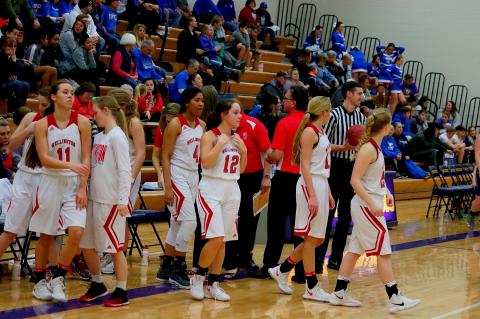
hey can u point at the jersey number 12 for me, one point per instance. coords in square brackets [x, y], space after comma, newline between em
[233, 161]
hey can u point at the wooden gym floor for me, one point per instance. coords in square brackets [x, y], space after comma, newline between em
[436, 260]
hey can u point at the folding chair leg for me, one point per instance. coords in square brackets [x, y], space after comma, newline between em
[158, 237]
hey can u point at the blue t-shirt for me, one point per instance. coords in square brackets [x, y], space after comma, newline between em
[180, 83]
[109, 19]
[65, 7]
[409, 89]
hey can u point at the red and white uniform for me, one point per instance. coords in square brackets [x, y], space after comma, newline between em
[184, 179]
[136, 183]
[109, 187]
[370, 233]
[307, 224]
[54, 206]
[219, 194]
[24, 187]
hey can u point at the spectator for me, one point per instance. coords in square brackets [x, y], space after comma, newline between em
[227, 8]
[409, 88]
[400, 137]
[359, 63]
[240, 46]
[423, 146]
[51, 10]
[423, 104]
[123, 69]
[313, 42]
[472, 135]
[450, 140]
[462, 137]
[403, 116]
[419, 123]
[33, 54]
[65, 6]
[266, 23]
[188, 46]
[454, 117]
[346, 66]
[10, 157]
[24, 16]
[169, 10]
[82, 101]
[256, 54]
[275, 86]
[150, 13]
[388, 54]
[195, 80]
[294, 80]
[11, 86]
[367, 97]
[325, 82]
[444, 120]
[373, 68]
[207, 73]
[248, 14]
[176, 87]
[205, 10]
[52, 54]
[139, 31]
[395, 74]
[150, 106]
[338, 41]
[333, 66]
[69, 40]
[146, 68]
[220, 40]
[109, 25]
[81, 66]
[390, 150]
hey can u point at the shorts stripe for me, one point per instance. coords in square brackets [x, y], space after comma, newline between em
[304, 231]
[180, 198]
[109, 230]
[37, 206]
[380, 232]
[130, 207]
[208, 214]
[9, 205]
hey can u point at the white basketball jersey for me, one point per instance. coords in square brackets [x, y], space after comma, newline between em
[227, 165]
[26, 147]
[374, 178]
[320, 162]
[186, 153]
[64, 144]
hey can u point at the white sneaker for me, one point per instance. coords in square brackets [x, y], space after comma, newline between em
[41, 291]
[215, 292]
[400, 302]
[107, 265]
[317, 293]
[281, 279]
[230, 273]
[196, 287]
[342, 298]
[57, 285]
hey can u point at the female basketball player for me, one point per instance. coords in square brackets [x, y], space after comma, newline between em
[180, 158]
[370, 233]
[63, 142]
[311, 150]
[475, 206]
[223, 156]
[137, 151]
[107, 209]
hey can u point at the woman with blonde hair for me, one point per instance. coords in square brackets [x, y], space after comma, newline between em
[139, 31]
[311, 149]
[370, 232]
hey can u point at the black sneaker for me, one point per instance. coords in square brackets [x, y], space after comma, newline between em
[95, 291]
[79, 267]
[180, 278]
[262, 273]
[335, 265]
[165, 270]
[117, 299]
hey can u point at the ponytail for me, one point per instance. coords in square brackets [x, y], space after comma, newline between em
[296, 140]
[124, 99]
[111, 103]
[376, 121]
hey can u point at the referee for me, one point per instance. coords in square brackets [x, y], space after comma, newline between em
[341, 119]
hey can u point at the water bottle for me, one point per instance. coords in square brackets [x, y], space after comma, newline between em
[16, 270]
[144, 256]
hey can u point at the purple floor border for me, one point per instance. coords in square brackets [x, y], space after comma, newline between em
[50, 308]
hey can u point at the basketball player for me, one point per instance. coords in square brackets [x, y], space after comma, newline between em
[107, 209]
[370, 233]
[475, 206]
[223, 156]
[137, 152]
[180, 159]
[311, 150]
[63, 142]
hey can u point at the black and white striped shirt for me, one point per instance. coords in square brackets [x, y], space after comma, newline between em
[338, 125]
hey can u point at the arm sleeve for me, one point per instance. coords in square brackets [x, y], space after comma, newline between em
[329, 77]
[117, 62]
[380, 48]
[92, 28]
[119, 145]
[280, 137]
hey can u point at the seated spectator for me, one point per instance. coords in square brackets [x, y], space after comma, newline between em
[169, 10]
[472, 135]
[65, 6]
[303, 64]
[463, 137]
[333, 66]
[367, 97]
[454, 116]
[150, 13]
[403, 116]
[207, 73]
[140, 31]
[400, 137]
[409, 88]
[419, 122]
[325, 83]
[338, 40]
[150, 106]
[123, 69]
[359, 63]
[390, 151]
[179, 84]
[52, 54]
[240, 46]
[221, 40]
[11, 87]
[10, 158]
[313, 42]
[274, 87]
[294, 80]
[188, 46]
[248, 14]
[205, 10]
[444, 120]
[81, 65]
[423, 146]
[82, 101]
[69, 40]
[256, 54]
[195, 80]
[51, 10]
[451, 141]
[346, 67]
[373, 68]
[423, 104]
[265, 22]
[388, 54]
[227, 8]
[109, 25]
[143, 60]
[33, 54]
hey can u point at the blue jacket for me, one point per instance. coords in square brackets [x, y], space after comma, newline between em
[227, 7]
[207, 45]
[50, 10]
[359, 63]
[65, 8]
[324, 75]
[145, 67]
[206, 7]
[109, 19]
[386, 59]
[309, 41]
[399, 118]
[338, 43]
[171, 4]
[389, 147]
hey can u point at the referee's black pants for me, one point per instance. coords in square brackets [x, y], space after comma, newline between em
[342, 192]
[281, 205]
[238, 253]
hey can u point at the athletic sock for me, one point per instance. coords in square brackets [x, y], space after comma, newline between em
[122, 284]
[202, 271]
[212, 278]
[311, 279]
[168, 260]
[391, 288]
[97, 278]
[39, 274]
[287, 265]
[342, 283]
[58, 270]
[179, 261]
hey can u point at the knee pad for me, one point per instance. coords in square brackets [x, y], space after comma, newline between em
[185, 234]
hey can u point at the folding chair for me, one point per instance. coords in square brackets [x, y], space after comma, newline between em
[21, 250]
[454, 195]
[145, 216]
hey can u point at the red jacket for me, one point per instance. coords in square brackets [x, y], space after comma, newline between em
[143, 103]
[249, 15]
[83, 109]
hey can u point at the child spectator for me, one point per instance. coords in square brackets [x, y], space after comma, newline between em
[373, 68]
[419, 122]
[150, 106]
[409, 88]
[451, 141]
[403, 116]
[109, 25]
[52, 54]
[82, 101]
[33, 54]
[10, 158]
